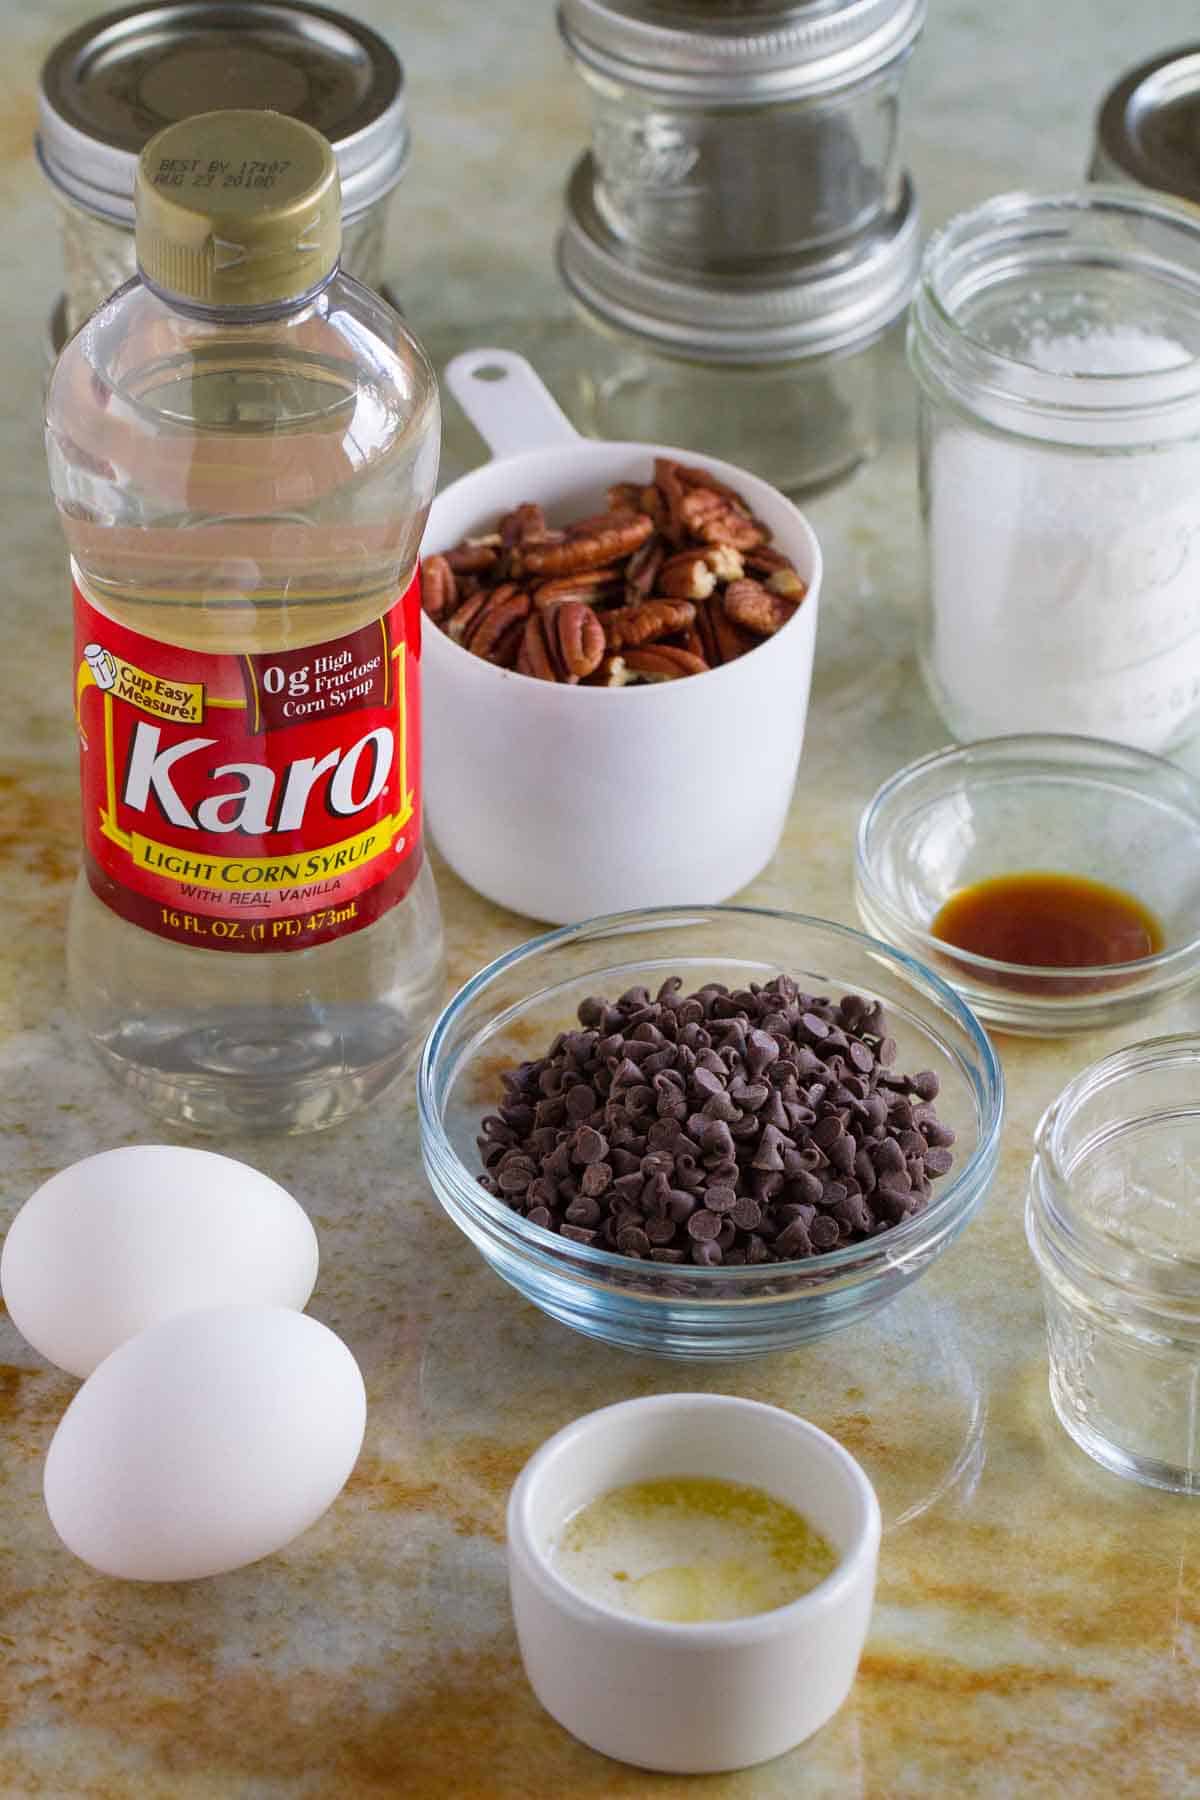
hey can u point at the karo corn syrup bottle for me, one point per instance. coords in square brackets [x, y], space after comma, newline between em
[243, 447]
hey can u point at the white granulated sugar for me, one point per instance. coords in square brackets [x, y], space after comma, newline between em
[1105, 350]
[1066, 583]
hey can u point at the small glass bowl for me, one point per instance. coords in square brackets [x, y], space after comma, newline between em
[513, 1009]
[1009, 806]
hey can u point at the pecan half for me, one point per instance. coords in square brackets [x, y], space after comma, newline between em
[643, 624]
[506, 606]
[764, 559]
[589, 545]
[663, 662]
[641, 571]
[723, 641]
[525, 521]
[534, 656]
[686, 576]
[439, 590]
[624, 496]
[666, 477]
[578, 638]
[750, 604]
[593, 585]
[611, 673]
[787, 584]
[725, 562]
[472, 559]
[708, 516]
[463, 619]
[700, 478]
[652, 501]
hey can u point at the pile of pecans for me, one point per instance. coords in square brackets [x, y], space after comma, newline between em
[676, 578]
[758, 1126]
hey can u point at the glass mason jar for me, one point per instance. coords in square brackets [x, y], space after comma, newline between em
[1148, 126]
[736, 134]
[1113, 1221]
[1056, 344]
[781, 373]
[107, 88]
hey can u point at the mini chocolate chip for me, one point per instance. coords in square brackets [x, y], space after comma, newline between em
[824, 1232]
[827, 1131]
[938, 1161]
[588, 1146]
[746, 1214]
[715, 1139]
[794, 1241]
[703, 1226]
[927, 1085]
[841, 1154]
[720, 1199]
[805, 1187]
[680, 1205]
[577, 1233]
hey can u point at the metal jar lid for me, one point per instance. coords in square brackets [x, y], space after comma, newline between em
[707, 50]
[812, 305]
[107, 88]
[1148, 129]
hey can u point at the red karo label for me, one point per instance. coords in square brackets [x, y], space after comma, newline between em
[260, 802]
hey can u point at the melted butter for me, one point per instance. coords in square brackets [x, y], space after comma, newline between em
[690, 1550]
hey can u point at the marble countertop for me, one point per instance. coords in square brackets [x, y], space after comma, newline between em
[1037, 1628]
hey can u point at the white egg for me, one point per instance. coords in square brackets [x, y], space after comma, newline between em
[131, 1236]
[204, 1443]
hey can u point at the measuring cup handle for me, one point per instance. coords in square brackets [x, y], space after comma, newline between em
[507, 402]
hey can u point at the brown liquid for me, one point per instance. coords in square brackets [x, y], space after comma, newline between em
[1048, 921]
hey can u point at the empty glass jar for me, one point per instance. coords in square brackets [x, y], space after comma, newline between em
[1113, 1220]
[110, 85]
[779, 370]
[725, 134]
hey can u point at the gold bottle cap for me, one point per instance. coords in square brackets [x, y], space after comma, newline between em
[237, 208]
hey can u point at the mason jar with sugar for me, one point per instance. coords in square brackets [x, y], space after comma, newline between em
[107, 87]
[1056, 344]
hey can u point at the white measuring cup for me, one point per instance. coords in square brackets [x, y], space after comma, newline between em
[563, 802]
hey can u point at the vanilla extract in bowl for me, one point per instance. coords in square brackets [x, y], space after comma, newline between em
[1040, 919]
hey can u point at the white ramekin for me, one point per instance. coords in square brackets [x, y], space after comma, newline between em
[692, 1699]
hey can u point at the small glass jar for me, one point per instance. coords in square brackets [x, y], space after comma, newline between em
[1148, 126]
[781, 373]
[1056, 344]
[109, 86]
[1113, 1221]
[726, 135]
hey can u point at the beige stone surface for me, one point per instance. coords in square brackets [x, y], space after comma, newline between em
[1037, 1631]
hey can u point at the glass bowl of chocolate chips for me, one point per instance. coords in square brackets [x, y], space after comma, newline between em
[709, 1132]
